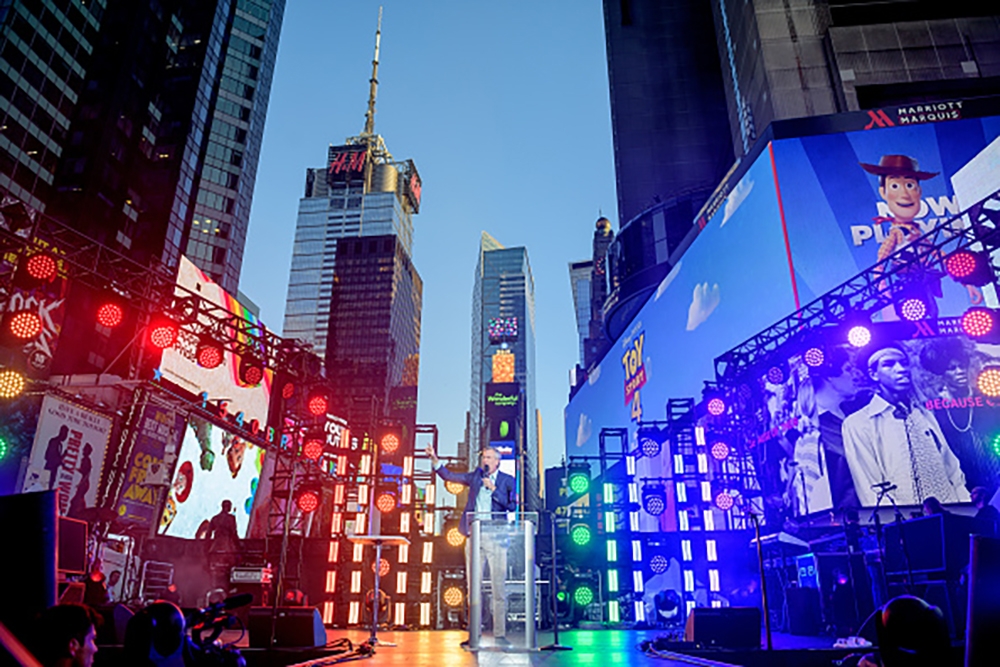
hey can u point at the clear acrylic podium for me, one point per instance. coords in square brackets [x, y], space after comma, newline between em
[506, 541]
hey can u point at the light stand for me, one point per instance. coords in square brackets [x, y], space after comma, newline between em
[553, 584]
[763, 581]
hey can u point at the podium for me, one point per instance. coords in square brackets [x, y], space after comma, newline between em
[378, 541]
[507, 542]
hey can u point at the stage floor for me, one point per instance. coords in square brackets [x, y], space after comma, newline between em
[605, 648]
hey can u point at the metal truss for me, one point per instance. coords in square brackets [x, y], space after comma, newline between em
[873, 289]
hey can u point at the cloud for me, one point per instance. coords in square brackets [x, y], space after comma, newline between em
[704, 300]
[665, 283]
[736, 198]
[584, 430]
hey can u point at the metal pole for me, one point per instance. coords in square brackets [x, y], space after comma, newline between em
[763, 581]
[476, 584]
[284, 548]
[553, 585]
[529, 584]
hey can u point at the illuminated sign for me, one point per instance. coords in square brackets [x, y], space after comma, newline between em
[502, 400]
[635, 374]
[346, 163]
[502, 328]
[414, 188]
[503, 366]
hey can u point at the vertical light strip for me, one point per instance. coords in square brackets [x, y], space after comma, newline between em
[425, 614]
[682, 492]
[686, 550]
[333, 553]
[706, 491]
[689, 581]
[710, 551]
[630, 465]
[609, 492]
[429, 523]
[353, 612]
[709, 519]
[682, 520]
[356, 581]
[338, 494]
[430, 491]
[425, 583]
[609, 521]
[702, 463]
[612, 551]
[407, 468]
[404, 522]
[337, 523]
[637, 581]
[407, 495]
[613, 615]
[633, 518]
[633, 492]
[428, 552]
[363, 495]
[328, 613]
[636, 551]
[713, 581]
[331, 581]
[400, 613]
[359, 552]
[401, 583]
[640, 611]
[612, 581]
[404, 553]
[342, 466]
[678, 464]
[366, 465]
[699, 435]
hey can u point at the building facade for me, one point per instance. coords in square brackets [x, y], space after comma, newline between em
[504, 296]
[579, 285]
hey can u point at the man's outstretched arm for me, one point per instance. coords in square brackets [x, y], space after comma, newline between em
[448, 475]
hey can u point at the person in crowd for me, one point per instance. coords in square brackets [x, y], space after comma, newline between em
[911, 633]
[896, 441]
[834, 387]
[490, 491]
[987, 516]
[933, 506]
[963, 416]
[65, 636]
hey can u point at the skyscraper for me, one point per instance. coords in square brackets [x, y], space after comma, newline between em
[44, 48]
[503, 325]
[156, 110]
[579, 284]
[362, 191]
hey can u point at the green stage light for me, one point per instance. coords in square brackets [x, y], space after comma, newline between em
[995, 444]
[580, 533]
[579, 482]
[583, 595]
[561, 596]
[4, 448]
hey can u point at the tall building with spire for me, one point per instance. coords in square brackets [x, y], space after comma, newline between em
[502, 410]
[353, 292]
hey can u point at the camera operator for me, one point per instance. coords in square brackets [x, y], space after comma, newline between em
[65, 636]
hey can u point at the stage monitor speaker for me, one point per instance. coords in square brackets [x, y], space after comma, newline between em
[982, 641]
[724, 627]
[805, 616]
[294, 627]
[29, 560]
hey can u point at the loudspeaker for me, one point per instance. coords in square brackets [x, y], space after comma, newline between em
[982, 641]
[724, 627]
[294, 627]
[805, 616]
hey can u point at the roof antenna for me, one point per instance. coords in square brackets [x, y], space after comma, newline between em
[370, 114]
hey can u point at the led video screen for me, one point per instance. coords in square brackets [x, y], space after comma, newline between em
[213, 465]
[901, 417]
[806, 215]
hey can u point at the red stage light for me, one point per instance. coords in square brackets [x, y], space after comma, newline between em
[859, 336]
[716, 406]
[251, 370]
[163, 334]
[913, 309]
[776, 375]
[383, 567]
[110, 315]
[961, 264]
[390, 443]
[386, 502]
[814, 357]
[317, 404]
[977, 322]
[25, 324]
[288, 390]
[720, 451]
[312, 448]
[41, 267]
[307, 501]
[724, 501]
[210, 353]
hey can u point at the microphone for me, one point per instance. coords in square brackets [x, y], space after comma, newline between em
[484, 471]
[884, 486]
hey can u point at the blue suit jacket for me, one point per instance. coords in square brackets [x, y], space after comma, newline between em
[504, 496]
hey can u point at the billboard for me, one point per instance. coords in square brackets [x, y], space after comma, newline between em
[503, 419]
[213, 465]
[222, 383]
[68, 454]
[803, 216]
[158, 434]
[901, 415]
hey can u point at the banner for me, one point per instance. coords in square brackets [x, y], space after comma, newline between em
[68, 454]
[159, 429]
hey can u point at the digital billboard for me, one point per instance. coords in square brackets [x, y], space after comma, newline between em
[803, 216]
[213, 465]
[222, 383]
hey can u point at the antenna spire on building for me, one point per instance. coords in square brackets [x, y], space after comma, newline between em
[373, 82]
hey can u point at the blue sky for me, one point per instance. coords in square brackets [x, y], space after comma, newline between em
[504, 109]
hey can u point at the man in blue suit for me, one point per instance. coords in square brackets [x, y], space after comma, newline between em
[490, 491]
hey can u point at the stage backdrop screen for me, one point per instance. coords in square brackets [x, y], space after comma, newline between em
[807, 214]
[213, 465]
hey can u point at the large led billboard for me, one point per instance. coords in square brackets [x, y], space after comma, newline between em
[806, 214]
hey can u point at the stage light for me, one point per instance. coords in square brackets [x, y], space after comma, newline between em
[4, 448]
[724, 501]
[383, 567]
[11, 384]
[317, 403]
[996, 444]
[658, 564]
[162, 334]
[580, 534]
[313, 444]
[654, 499]
[453, 488]
[720, 451]
[989, 381]
[110, 314]
[814, 357]
[583, 595]
[307, 501]
[970, 268]
[453, 596]
[389, 443]
[777, 374]
[251, 369]
[24, 324]
[41, 267]
[454, 537]
[386, 502]
[859, 336]
[210, 353]
[288, 390]
[912, 309]
[650, 441]
[579, 477]
[979, 322]
[716, 406]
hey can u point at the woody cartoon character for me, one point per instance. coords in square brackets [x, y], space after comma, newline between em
[899, 178]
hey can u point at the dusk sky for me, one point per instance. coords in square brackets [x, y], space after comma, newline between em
[504, 109]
